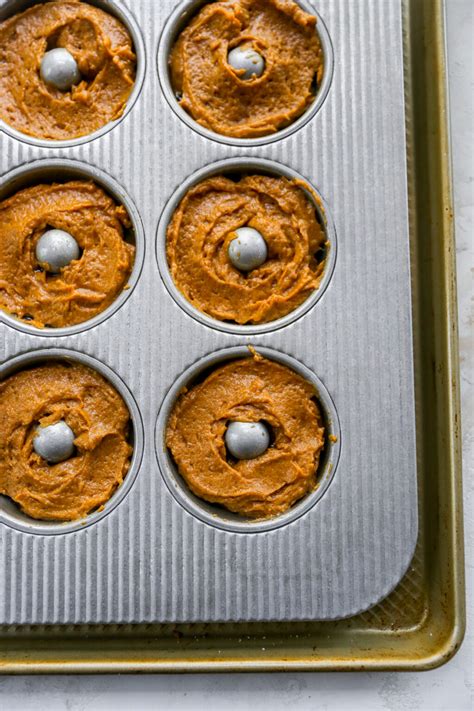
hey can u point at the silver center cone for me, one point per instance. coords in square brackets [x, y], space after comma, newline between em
[59, 69]
[54, 443]
[246, 60]
[247, 440]
[248, 250]
[56, 249]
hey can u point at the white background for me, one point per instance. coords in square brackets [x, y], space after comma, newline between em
[450, 688]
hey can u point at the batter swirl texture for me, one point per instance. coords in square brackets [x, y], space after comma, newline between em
[205, 222]
[103, 50]
[99, 418]
[87, 285]
[220, 98]
[248, 390]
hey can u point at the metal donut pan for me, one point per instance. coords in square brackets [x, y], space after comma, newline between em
[342, 583]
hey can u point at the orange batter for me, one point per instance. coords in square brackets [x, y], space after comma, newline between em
[103, 50]
[205, 222]
[217, 96]
[86, 286]
[98, 416]
[250, 390]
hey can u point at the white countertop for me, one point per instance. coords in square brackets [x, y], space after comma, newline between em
[449, 688]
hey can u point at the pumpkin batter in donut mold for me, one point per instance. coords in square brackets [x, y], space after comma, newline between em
[86, 285]
[209, 218]
[248, 68]
[90, 407]
[101, 51]
[252, 390]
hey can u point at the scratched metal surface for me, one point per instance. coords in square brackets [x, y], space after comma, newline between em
[149, 559]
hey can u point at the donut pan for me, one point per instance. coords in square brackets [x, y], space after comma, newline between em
[350, 549]
[158, 556]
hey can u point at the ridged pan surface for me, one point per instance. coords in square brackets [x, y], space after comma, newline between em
[150, 559]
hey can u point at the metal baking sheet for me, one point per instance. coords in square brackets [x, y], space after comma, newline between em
[149, 560]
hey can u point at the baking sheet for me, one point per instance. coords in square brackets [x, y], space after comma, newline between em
[421, 624]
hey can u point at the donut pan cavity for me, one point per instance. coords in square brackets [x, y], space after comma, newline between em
[238, 167]
[161, 555]
[10, 514]
[216, 515]
[177, 21]
[121, 11]
[60, 170]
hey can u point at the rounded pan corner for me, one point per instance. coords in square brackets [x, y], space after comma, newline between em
[389, 587]
[446, 643]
